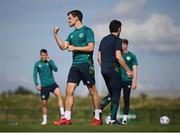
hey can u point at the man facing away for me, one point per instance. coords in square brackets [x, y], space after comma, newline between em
[109, 58]
[81, 43]
[45, 67]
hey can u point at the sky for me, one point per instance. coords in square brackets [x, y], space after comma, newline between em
[151, 26]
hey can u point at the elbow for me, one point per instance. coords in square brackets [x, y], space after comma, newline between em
[62, 48]
[56, 69]
[118, 59]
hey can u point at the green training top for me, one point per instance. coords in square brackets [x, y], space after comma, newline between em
[130, 60]
[45, 71]
[80, 38]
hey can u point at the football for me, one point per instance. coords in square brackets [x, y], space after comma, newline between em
[164, 120]
[107, 119]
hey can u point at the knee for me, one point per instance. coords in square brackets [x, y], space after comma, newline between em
[58, 95]
[44, 103]
[69, 90]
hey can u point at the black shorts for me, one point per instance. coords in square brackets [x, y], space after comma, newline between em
[45, 91]
[84, 72]
[126, 84]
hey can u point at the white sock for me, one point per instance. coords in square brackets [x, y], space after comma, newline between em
[97, 114]
[68, 115]
[125, 117]
[45, 117]
[61, 111]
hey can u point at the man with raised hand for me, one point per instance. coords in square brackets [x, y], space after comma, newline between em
[44, 68]
[81, 43]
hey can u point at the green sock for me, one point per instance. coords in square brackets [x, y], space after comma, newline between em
[114, 109]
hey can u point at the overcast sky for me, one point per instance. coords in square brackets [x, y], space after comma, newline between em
[151, 26]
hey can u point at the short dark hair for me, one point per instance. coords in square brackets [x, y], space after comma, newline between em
[43, 51]
[76, 13]
[114, 25]
[125, 41]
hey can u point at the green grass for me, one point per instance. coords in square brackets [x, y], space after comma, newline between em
[23, 113]
[88, 128]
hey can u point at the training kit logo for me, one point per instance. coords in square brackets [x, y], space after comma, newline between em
[40, 66]
[81, 35]
[128, 58]
[71, 36]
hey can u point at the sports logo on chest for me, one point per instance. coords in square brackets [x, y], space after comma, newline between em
[81, 35]
[71, 36]
[39, 65]
[128, 58]
[44, 65]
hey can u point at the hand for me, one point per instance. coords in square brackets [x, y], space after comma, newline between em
[133, 85]
[47, 58]
[130, 74]
[55, 30]
[71, 48]
[38, 87]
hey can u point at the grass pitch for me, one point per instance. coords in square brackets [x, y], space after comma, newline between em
[22, 113]
[139, 127]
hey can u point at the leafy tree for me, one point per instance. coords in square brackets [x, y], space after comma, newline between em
[22, 90]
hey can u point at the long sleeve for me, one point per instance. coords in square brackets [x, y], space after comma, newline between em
[53, 66]
[35, 72]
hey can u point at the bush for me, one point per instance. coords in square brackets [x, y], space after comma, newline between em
[22, 90]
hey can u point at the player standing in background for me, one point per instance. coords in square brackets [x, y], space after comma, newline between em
[45, 67]
[109, 58]
[128, 83]
[81, 43]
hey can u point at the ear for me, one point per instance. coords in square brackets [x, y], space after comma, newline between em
[119, 29]
[76, 18]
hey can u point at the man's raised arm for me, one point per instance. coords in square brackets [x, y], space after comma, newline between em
[61, 45]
